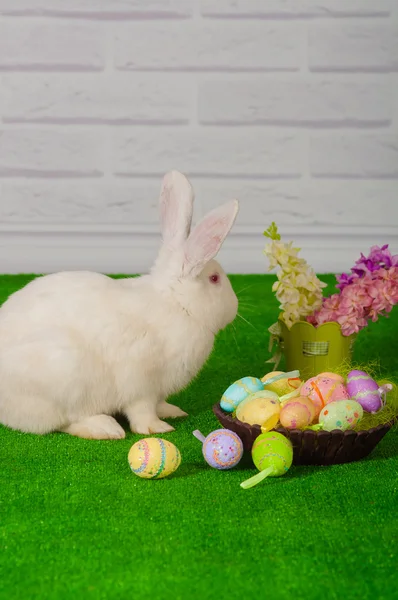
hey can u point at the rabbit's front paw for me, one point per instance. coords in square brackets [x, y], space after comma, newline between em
[97, 427]
[143, 418]
[169, 411]
[154, 426]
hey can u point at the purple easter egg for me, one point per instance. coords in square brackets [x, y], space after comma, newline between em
[362, 388]
[222, 449]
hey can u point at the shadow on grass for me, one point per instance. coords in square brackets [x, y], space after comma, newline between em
[188, 470]
[383, 454]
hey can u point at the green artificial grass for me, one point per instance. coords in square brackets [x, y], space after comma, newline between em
[76, 523]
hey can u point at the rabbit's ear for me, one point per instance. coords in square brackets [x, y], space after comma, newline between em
[208, 236]
[176, 205]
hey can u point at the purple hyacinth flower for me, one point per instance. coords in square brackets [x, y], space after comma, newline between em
[379, 258]
[343, 280]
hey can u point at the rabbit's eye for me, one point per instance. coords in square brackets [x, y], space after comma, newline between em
[215, 278]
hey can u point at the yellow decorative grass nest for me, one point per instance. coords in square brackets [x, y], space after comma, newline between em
[389, 413]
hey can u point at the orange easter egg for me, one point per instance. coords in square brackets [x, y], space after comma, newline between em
[297, 413]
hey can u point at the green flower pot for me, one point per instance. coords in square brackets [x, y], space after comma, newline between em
[313, 350]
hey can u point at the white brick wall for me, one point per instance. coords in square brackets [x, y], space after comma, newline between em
[289, 105]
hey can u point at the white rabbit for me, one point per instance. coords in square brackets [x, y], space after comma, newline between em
[78, 347]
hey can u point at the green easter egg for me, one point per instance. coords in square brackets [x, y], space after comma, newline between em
[341, 414]
[272, 450]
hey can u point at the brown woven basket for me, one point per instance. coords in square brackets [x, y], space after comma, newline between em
[312, 447]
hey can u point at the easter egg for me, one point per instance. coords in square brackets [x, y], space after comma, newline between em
[297, 413]
[362, 388]
[261, 408]
[272, 454]
[238, 391]
[322, 390]
[332, 376]
[280, 386]
[342, 414]
[222, 449]
[154, 458]
[274, 450]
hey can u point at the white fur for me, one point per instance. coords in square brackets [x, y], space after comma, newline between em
[78, 347]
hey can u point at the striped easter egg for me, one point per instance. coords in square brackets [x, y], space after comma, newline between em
[154, 458]
[362, 388]
[222, 449]
[274, 451]
[238, 391]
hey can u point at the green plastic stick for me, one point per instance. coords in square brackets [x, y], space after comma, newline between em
[289, 375]
[257, 478]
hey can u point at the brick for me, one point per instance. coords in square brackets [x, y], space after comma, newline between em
[97, 8]
[206, 46]
[350, 155]
[33, 152]
[294, 8]
[95, 98]
[134, 203]
[315, 203]
[351, 203]
[295, 102]
[80, 202]
[45, 45]
[364, 46]
[219, 151]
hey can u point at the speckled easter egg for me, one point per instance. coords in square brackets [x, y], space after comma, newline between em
[272, 450]
[362, 388]
[297, 413]
[238, 391]
[342, 414]
[154, 458]
[280, 386]
[339, 378]
[222, 449]
[322, 390]
[261, 408]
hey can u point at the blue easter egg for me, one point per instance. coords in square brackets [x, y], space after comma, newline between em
[238, 391]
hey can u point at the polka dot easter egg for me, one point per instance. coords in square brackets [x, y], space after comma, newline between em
[238, 391]
[322, 390]
[342, 415]
[154, 458]
[222, 449]
[362, 388]
[261, 408]
[297, 413]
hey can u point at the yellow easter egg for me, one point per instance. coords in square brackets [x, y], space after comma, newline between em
[154, 458]
[261, 408]
[281, 386]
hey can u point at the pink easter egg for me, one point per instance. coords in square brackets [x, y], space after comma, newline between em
[322, 390]
[332, 376]
[365, 390]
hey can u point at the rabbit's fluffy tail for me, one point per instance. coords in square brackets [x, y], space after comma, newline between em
[34, 414]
